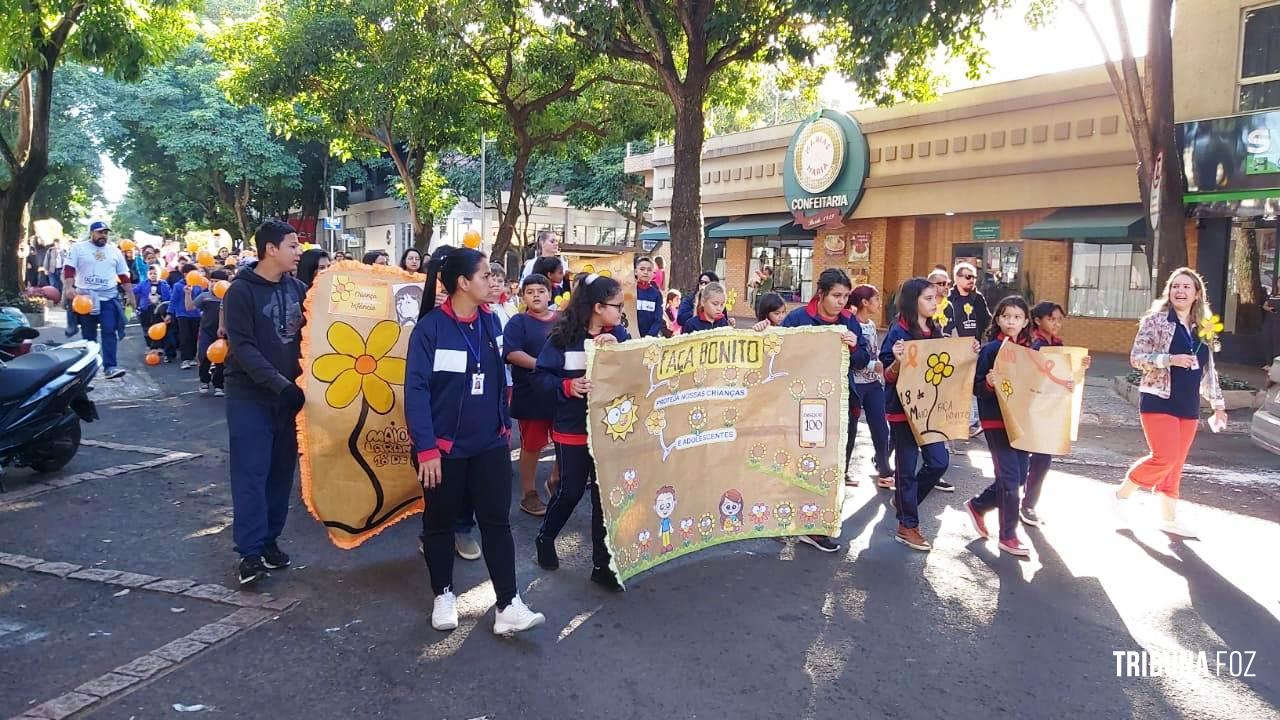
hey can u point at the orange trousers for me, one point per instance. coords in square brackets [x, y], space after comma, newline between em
[1169, 438]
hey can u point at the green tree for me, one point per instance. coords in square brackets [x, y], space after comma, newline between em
[602, 182]
[545, 89]
[121, 38]
[71, 187]
[370, 78]
[884, 47]
[182, 121]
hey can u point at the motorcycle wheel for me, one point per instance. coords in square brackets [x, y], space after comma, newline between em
[56, 451]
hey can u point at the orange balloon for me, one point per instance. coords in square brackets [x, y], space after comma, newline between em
[217, 351]
[157, 331]
[127, 245]
[471, 239]
[231, 261]
[82, 304]
[196, 279]
[204, 258]
[153, 357]
[193, 246]
[220, 288]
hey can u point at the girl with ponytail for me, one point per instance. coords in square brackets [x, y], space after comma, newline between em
[456, 410]
[594, 312]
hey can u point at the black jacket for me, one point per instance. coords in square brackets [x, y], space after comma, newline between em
[264, 321]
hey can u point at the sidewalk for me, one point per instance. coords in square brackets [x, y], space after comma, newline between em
[1103, 406]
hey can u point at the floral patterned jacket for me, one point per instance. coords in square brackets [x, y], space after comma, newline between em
[1150, 354]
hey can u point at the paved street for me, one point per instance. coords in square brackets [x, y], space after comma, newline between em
[755, 629]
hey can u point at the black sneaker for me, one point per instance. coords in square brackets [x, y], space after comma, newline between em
[252, 570]
[274, 558]
[1029, 517]
[547, 558]
[822, 542]
[604, 577]
[944, 486]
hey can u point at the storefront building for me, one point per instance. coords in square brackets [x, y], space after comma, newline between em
[1032, 180]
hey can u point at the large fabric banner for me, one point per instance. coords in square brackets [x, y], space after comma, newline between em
[717, 436]
[1037, 395]
[620, 267]
[935, 384]
[355, 447]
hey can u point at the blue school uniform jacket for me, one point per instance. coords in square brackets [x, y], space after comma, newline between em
[649, 304]
[859, 357]
[698, 321]
[444, 417]
[988, 405]
[898, 331]
[142, 292]
[1039, 340]
[528, 334]
[556, 368]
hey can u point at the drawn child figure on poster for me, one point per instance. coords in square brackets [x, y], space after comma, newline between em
[407, 299]
[731, 511]
[664, 504]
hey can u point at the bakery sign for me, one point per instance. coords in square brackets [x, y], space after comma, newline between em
[825, 170]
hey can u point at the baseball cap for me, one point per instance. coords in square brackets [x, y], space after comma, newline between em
[99, 225]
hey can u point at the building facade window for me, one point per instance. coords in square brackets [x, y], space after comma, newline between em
[1260, 59]
[1109, 280]
[1251, 275]
[792, 268]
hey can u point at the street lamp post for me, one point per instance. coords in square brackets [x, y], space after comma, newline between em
[484, 142]
[333, 228]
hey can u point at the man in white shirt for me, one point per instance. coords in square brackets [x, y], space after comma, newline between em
[97, 268]
[548, 246]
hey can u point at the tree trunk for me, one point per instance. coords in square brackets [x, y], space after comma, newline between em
[507, 227]
[1170, 238]
[422, 234]
[32, 153]
[12, 204]
[687, 253]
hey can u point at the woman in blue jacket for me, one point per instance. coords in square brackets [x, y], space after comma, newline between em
[456, 410]
[595, 312]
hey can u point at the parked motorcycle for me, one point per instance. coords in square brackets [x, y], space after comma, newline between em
[44, 396]
[16, 333]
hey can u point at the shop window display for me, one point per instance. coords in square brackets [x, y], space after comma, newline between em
[1251, 277]
[792, 269]
[1109, 280]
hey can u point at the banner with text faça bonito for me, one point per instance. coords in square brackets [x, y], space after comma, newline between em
[717, 436]
[356, 475]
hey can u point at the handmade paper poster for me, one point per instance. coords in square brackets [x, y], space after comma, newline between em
[718, 436]
[356, 476]
[1075, 356]
[1036, 392]
[935, 384]
[620, 267]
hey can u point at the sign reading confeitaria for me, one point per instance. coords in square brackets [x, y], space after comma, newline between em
[825, 170]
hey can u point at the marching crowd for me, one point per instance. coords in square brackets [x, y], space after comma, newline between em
[478, 359]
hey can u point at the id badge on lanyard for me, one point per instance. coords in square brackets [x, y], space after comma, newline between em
[477, 378]
[477, 383]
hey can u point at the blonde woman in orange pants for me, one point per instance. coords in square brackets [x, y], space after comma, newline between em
[1174, 350]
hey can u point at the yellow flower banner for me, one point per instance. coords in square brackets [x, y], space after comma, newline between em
[935, 385]
[717, 436]
[356, 475]
[1040, 395]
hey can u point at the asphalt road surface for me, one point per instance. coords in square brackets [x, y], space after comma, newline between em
[755, 629]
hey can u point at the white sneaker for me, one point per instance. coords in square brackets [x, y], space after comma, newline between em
[516, 618]
[444, 614]
[218, 392]
[1179, 528]
[1119, 512]
[186, 365]
[204, 388]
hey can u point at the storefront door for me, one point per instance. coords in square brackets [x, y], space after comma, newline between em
[999, 267]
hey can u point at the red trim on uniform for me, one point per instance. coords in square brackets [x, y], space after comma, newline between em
[565, 386]
[855, 413]
[446, 446]
[703, 317]
[569, 438]
[643, 285]
[425, 455]
[447, 309]
[812, 311]
[992, 424]
[1047, 339]
[896, 417]
[891, 376]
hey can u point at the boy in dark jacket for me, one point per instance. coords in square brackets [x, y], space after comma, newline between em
[263, 320]
[649, 303]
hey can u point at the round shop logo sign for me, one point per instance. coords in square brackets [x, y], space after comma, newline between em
[819, 157]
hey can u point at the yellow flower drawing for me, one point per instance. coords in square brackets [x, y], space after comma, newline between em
[940, 315]
[968, 309]
[940, 367]
[757, 452]
[772, 344]
[562, 300]
[730, 299]
[807, 466]
[730, 416]
[656, 422]
[620, 417]
[344, 289]
[359, 365]
[1006, 388]
[652, 355]
[698, 419]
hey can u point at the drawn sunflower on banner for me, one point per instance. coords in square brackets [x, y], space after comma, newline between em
[940, 367]
[360, 368]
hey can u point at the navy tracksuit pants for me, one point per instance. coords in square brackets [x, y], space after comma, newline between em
[1037, 469]
[1002, 494]
[912, 485]
[264, 453]
[577, 474]
[870, 397]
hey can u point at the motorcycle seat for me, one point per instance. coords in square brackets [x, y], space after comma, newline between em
[25, 374]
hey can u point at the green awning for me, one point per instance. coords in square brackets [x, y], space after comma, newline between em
[775, 225]
[1100, 221]
[657, 233]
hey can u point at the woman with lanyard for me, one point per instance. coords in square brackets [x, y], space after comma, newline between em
[456, 410]
[1174, 350]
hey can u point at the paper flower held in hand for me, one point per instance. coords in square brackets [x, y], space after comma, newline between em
[940, 315]
[358, 365]
[1208, 331]
[940, 367]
